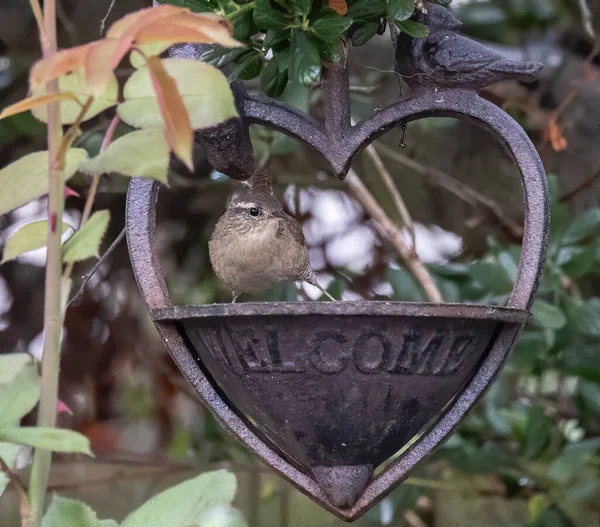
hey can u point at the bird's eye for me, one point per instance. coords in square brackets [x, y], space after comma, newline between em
[254, 211]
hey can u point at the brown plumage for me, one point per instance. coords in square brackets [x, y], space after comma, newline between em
[256, 245]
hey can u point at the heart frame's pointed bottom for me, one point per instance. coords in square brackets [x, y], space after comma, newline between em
[343, 485]
[213, 383]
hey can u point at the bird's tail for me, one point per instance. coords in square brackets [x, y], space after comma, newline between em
[523, 71]
[260, 182]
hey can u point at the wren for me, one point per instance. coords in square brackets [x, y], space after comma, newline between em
[256, 245]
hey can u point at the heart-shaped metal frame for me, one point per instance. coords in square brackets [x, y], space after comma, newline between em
[339, 143]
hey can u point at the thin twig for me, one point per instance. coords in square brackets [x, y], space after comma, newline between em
[89, 202]
[394, 37]
[413, 519]
[103, 21]
[582, 186]
[389, 183]
[458, 188]
[587, 18]
[390, 231]
[368, 90]
[100, 261]
[67, 25]
[573, 92]
[25, 510]
[39, 18]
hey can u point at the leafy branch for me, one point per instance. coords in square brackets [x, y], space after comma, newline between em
[70, 87]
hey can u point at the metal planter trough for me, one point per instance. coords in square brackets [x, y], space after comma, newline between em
[325, 393]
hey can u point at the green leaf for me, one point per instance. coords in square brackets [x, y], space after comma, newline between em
[491, 276]
[220, 56]
[197, 6]
[302, 7]
[243, 24]
[583, 361]
[221, 516]
[400, 10]
[183, 504]
[85, 243]
[530, 348]
[27, 178]
[11, 364]
[69, 110]
[250, 66]
[67, 512]
[368, 10]
[537, 432]
[590, 393]
[267, 17]
[406, 288]
[548, 315]
[142, 153]
[509, 264]
[582, 227]
[55, 439]
[327, 51]
[20, 396]
[305, 63]
[583, 316]
[413, 29]
[576, 261]
[8, 453]
[330, 28]
[28, 238]
[274, 77]
[138, 60]
[364, 33]
[204, 89]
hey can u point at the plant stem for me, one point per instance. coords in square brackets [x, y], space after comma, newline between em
[89, 202]
[52, 306]
[387, 228]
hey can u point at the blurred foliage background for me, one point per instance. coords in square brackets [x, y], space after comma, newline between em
[529, 453]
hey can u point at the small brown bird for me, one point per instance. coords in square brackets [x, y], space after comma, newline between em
[256, 245]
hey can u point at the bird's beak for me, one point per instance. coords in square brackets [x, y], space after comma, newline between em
[279, 215]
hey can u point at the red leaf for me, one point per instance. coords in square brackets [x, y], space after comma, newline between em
[62, 407]
[58, 64]
[339, 6]
[178, 129]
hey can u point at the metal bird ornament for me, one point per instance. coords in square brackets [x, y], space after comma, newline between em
[447, 59]
[256, 245]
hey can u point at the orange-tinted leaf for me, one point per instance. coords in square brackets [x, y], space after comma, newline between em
[555, 136]
[178, 129]
[132, 23]
[339, 6]
[33, 102]
[58, 64]
[99, 65]
[187, 27]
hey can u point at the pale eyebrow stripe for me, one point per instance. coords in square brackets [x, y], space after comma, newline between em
[244, 204]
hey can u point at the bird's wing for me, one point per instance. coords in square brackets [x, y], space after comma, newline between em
[460, 54]
[294, 228]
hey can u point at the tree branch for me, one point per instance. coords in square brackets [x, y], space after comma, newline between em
[387, 228]
[89, 202]
[458, 188]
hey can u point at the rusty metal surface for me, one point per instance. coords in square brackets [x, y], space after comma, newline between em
[324, 393]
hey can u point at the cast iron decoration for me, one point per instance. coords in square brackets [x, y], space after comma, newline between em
[325, 392]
